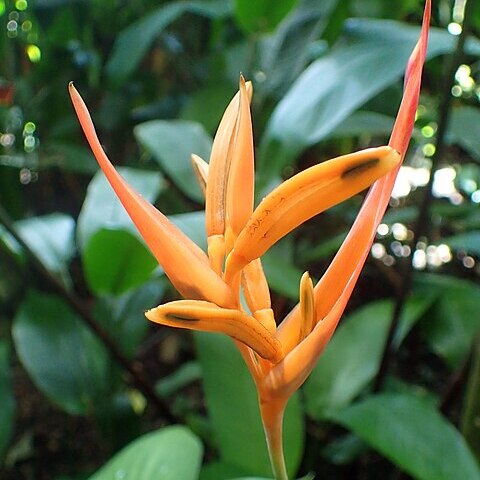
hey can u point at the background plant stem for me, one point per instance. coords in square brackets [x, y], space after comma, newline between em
[86, 316]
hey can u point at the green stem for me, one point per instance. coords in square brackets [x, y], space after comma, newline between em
[272, 417]
[471, 412]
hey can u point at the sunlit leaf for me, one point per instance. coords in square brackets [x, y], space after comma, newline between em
[102, 209]
[51, 237]
[334, 86]
[171, 143]
[171, 453]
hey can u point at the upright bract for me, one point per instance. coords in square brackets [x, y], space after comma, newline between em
[279, 359]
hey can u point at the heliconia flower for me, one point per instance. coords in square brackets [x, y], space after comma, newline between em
[279, 358]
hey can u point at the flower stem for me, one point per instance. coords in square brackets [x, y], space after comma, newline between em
[272, 417]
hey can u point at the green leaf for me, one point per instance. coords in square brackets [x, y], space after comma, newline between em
[352, 358]
[413, 435]
[133, 42]
[262, 15]
[206, 106]
[218, 470]
[66, 362]
[454, 321]
[116, 261]
[363, 123]
[171, 453]
[285, 53]
[123, 314]
[463, 129]
[234, 413]
[469, 242]
[171, 143]
[282, 275]
[102, 209]
[51, 239]
[312, 109]
[7, 401]
[193, 225]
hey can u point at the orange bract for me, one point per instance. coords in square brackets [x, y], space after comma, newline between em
[279, 359]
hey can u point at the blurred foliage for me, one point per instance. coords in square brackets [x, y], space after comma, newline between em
[157, 76]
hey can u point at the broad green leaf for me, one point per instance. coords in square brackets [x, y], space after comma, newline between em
[413, 435]
[463, 129]
[219, 470]
[171, 143]
[468, 242]
[285, 53]
[133, 42]
[451, 327]
[334, 86]
[102, 209]
[123, 314]
[115, 261]
[206, 106]
[66, 362]
[363, 123]
[352, 358]
[171, 453]
[233, 409]
[262, 15]
[51, 237]
[7, 401]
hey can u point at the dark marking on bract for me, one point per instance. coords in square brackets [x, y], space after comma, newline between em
[359, 168]
[178, 317]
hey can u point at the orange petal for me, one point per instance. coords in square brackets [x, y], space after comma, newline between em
[345, 268]
[307, 306]
[219, 166]
[220, 158]
[185, 264]
[289, 374]
[206, 316]
[305, 195]
[200, 167]
[255, 286]
[240, 187]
